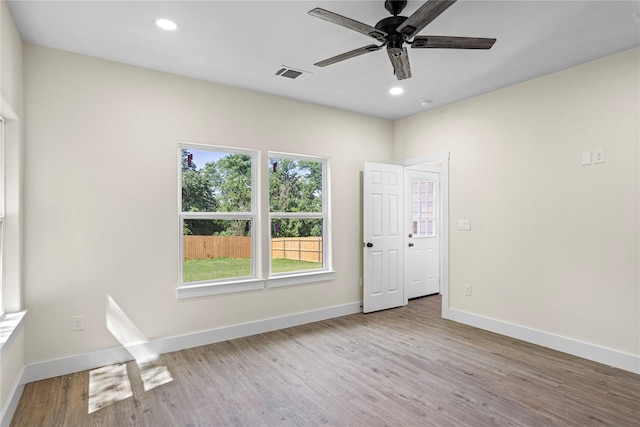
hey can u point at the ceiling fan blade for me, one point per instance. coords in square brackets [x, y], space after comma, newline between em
[400, 61]
[347, 55]
[423, 16]
[446, 42]
[349, 23]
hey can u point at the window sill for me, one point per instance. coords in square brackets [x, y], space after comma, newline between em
[218, 288]
[299, 278]
[10, 324]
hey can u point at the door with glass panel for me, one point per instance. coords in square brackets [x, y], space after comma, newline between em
[422, 232]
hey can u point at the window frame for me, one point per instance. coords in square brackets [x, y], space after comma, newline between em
[427, 215]
[225, 285]
[260, 217]
[2, 213]
[303, 276]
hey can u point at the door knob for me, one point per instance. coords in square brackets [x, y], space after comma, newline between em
[410, 245]
[369, 245]
[410, 235]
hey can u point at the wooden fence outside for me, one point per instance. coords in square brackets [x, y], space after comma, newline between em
[198, 247]
[296, 248]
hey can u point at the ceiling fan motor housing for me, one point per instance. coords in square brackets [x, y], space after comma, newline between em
[395, 39]
[389, 25]
[394, 7]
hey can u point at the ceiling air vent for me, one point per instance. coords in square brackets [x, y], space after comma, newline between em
[292, 73]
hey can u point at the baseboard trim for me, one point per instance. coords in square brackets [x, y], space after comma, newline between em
[7, 413]
[53, 368]
[606, 356]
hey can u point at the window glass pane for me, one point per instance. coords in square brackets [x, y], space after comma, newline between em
[295, 185]
[216, 249]
[215, 181]
[423, 213]
[430, 228]
[296, 244]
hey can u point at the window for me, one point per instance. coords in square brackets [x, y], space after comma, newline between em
[297, 210]
[423, 213]
[217, 214]
[225, 245]
[2, 213]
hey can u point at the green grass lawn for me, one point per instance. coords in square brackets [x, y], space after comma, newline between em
[222, 268]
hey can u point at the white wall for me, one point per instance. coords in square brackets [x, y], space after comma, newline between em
[553, 245]
[101, 196]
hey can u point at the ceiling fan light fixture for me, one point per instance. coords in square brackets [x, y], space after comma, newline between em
[396, 90]
[395, 31]
[166, 24]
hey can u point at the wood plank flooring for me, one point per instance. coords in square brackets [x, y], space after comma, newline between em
[401, 367]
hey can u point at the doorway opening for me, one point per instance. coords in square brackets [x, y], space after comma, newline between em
[396, 235]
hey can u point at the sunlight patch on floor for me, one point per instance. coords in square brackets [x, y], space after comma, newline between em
[111, 384]
[153, 375]
[108, 385]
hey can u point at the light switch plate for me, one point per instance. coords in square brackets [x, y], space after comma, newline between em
[598, 155]
[586, 158]
[464, 224]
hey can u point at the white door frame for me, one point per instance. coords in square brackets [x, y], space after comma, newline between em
[442, 159]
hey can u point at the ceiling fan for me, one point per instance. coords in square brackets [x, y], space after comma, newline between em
[394, 31]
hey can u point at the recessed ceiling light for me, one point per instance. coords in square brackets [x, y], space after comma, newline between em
[166, 24]
[397, 90]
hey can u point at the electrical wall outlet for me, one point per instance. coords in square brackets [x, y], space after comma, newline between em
[467, 290]
[464, 224]
[77, 323]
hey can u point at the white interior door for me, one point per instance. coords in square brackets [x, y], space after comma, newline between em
[422, 225]
[383, 197]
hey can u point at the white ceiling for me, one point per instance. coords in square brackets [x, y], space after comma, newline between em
[243, 44]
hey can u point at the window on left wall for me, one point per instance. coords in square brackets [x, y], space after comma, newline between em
[218, 218]
[2, 219]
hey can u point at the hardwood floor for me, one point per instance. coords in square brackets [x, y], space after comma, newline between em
[401, 367]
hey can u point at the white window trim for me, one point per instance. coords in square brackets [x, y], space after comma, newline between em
[259, 207]
[201, 289]
[299, 278]
[2, 216]
[325, 273]
[228, 285]
[11, 323]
